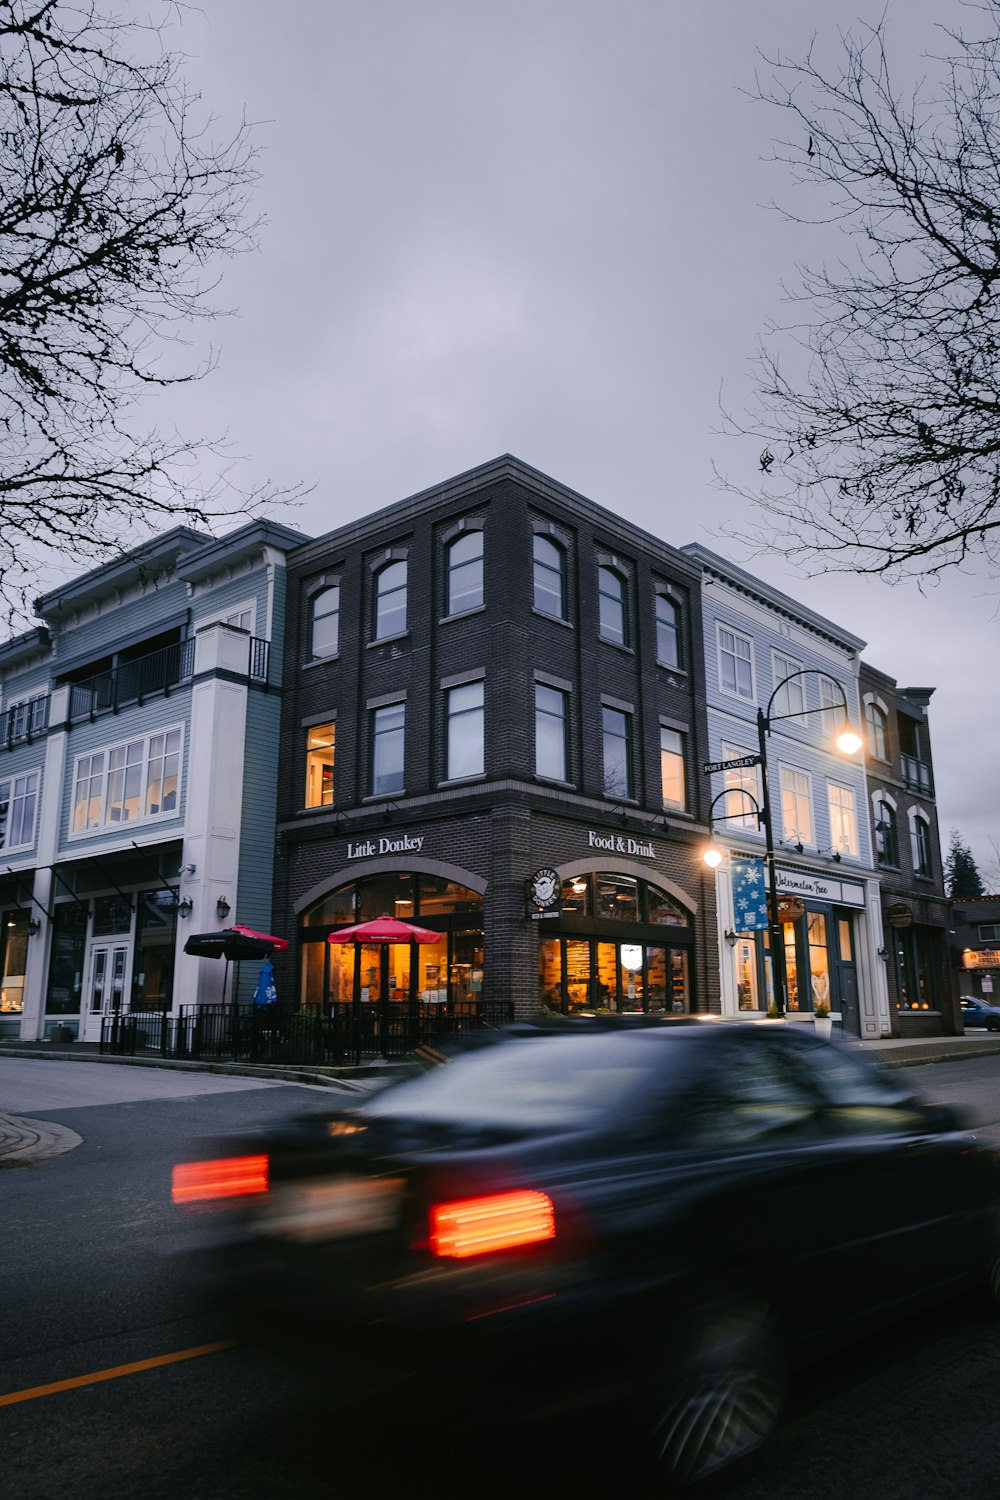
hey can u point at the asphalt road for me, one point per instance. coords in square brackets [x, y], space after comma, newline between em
[90, 1286]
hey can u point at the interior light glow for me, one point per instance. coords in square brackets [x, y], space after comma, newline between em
[500, 1221]
[230, 1177]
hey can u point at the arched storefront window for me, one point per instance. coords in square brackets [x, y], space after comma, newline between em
[447, 973]
[619, 944]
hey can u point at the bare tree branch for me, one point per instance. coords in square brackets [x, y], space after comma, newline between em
[878, 404]
[115, 201]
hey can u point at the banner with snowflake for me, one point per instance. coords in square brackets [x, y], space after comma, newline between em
[749, 894]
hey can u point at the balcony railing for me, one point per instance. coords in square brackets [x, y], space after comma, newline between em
[917, 775]
[159, 672]
[22, 721]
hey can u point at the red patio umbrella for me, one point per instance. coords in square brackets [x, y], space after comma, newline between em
[385, 930]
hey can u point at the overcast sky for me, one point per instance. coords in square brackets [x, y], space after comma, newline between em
[540, 227]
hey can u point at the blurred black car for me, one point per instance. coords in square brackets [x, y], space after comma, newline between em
[978, 1013]
[659, 1221]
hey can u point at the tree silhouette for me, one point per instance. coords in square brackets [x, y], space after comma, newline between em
[961, 873]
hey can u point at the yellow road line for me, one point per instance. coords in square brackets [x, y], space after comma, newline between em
[33, 1392]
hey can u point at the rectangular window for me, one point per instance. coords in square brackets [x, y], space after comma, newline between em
[550, 733]
[18, 799]
[319, 765]
[796, 805]
[831, 701]
[466, 731]
[139, 779]
[672, 768]
[843, 820]
[735, 663]
[388, 734]
[920, 845]
[989, 932]
[617, 731]
[789, 698]
[743, 786]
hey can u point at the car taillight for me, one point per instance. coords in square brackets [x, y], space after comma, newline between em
[499, 1221]
[230, 1177]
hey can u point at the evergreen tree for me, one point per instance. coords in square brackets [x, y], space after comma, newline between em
[960, 870]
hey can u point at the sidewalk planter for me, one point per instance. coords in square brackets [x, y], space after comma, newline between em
[824, 1027]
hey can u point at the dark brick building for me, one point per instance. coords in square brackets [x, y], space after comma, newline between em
[915, 911]
[975, 946]
[493, 725]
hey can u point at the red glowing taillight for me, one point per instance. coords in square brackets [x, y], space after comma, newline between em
[231, 1177]
[499, 1221]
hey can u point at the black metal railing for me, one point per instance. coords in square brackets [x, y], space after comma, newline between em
[132, 681]
[283, 1034]
[917, 775]
[135, 681]
[22, 721]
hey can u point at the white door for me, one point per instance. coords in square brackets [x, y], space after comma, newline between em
[105, 991]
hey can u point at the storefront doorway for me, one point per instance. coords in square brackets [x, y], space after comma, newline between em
[615, 944]
[820, 966]
[105, 986]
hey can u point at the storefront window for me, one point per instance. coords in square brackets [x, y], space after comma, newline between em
[618, 897]
[438, 897]
[432, 984]
[550, 973]
[13, 960]
[663, 911]
[69, 937]
[576, 896]
[747, 988]
[466, 968]
[791, 966]
[915, 970]
[388, 895]
[656, 981]
[153, 965]
[819, 959]
[112, 914]
[586, 974]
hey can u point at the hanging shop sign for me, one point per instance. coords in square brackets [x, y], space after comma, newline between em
[749, 894]
[544, 888]
[899, 914]
[401, 844]
[620, 843]
[790, 908]
[840, 892]
[981, 958]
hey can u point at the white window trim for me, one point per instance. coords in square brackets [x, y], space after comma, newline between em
[842, 786]
[720, 626]
[777, 678]
[746, 773]
[103, 829]
[879, 703]
[915, 815]
[810, 842]
[11, 776]
[682, 805]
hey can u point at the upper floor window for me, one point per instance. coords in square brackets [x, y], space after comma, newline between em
[989, 932]
[920, 843]
[611, 606]
[549, 578]
[886, 833]
[831, 702]
[743, 790]
[672, 768]
[387, 746]
[877, 726]
[18, 800]
[789, 696]
[796, 805]
[617, 738]
[139, 779]
[668, 631]
[466, 731]
[735, 663]
[324, 637]
[390, 601]
[241, 618]
[465, 573]
[843, 820]
[320, 740]
[550, 733]
[25, 718]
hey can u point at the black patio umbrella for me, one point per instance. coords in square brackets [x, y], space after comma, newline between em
[233, 943]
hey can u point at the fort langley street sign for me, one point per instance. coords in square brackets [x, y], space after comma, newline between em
[730, 765]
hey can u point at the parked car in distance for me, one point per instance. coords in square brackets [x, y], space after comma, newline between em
[977, 1012]
[659, 1221]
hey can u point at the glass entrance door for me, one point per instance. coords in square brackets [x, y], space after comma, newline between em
[105, 988]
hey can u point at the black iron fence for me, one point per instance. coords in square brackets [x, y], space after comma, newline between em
[158, 672]
[23, 720]
[282, 1034]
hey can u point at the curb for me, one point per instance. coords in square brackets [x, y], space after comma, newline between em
[351, 1080]
[24, 1142]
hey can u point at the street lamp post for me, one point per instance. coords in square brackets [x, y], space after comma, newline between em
[847, 741]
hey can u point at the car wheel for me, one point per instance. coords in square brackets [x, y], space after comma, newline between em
[993, 1025]
[723, 1398]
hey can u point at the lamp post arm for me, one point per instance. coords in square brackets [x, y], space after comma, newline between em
[801, 713]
